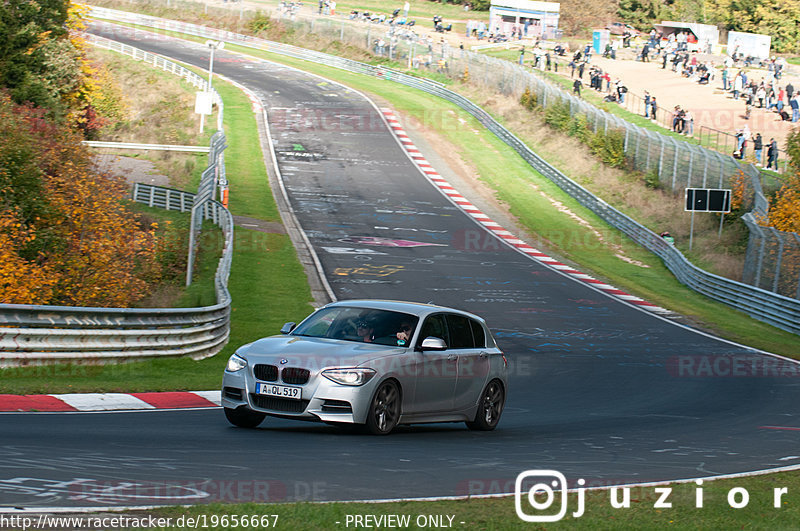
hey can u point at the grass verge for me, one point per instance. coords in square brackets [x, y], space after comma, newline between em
[717, 511]
[263, 281]
[267, 283]
[517, 185]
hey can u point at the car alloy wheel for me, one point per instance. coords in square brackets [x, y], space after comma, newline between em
[490, 407]
[384, 411]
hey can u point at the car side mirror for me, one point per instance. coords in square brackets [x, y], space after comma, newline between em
[287, 328]
[433, 343]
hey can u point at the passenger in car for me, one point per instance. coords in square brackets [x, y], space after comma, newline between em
[405, 333]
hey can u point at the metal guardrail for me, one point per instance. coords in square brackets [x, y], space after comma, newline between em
[164, 64]
[777, 310]
[39, 334]
[162, 197]
[149, 147]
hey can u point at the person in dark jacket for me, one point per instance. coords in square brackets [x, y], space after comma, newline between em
[576, 87]
[758, 147]
[772, 155]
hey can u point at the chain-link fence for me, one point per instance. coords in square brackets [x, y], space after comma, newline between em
[674, 163]
[773, 259]
[728, 143]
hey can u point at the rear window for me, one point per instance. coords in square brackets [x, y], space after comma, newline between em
[477, 334]
[460, 332]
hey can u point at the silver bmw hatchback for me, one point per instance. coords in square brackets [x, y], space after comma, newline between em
[371, 363]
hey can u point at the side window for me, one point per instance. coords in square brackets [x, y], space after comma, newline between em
[477, 333]
[433, 327]
[460, 332]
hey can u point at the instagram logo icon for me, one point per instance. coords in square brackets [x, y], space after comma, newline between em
[535, 493]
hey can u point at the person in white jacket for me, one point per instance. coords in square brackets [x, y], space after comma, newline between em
[737, 85]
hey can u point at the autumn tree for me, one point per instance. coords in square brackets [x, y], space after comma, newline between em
[776, 18]
[784, 211]
[66, 235]
[33, 57]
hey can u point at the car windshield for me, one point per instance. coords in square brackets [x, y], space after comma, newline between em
[365, 325]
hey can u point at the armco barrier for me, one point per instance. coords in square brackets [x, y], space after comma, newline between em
[35, 335]
[777, 310]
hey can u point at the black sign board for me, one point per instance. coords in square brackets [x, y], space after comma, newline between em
[708, 200]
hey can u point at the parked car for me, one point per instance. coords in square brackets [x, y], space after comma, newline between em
[372, 363]
[620, 28]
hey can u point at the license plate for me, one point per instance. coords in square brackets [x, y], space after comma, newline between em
[282, 391]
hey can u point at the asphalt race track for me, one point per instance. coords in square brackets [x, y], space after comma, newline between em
[599, 389]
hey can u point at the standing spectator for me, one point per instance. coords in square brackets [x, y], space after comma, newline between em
[772, 154]
[653, 108]
[743, 139]
[621, 90]
[758, 146]
[738, 83]
[689, 121]
[739, 153]
[580, 70]
[725, 79]
[677, 119]
[647, 103]
[522, 56]
[576, 87]
[781, 100]
[761, 94]
[789, 90]
[795, 105]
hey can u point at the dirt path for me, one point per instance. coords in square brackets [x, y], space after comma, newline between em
[710, 106]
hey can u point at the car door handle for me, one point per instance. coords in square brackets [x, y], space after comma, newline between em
[484, 355]
[452, 357]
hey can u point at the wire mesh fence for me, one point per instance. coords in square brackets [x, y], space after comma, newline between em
[672, 163]
[773, 259]
[676, 164]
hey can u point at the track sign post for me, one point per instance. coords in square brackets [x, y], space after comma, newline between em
[707, 200]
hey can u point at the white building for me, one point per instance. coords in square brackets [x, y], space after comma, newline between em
[539, 18]
[749, 44]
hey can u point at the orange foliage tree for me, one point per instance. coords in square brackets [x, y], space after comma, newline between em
[784, 211]
[66, 235]
[22, 281]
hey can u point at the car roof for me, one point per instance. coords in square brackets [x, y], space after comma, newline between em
[416, 308]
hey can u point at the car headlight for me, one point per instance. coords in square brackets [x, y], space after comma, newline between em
[236, 363]
[354, 377]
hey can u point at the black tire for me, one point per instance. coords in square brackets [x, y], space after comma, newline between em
[384, 410]
[243, 417]
[490, 407]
